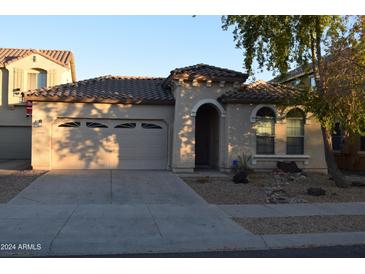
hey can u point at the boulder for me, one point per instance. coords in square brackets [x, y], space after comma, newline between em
[316, 191]
[288, 167]
[240, 178]
[358, 183]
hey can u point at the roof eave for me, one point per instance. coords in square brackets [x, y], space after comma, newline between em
[71, 99]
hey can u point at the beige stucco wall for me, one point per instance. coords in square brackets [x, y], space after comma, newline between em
[240, 132]
[49, 112]
[188, 96]
[11, 113]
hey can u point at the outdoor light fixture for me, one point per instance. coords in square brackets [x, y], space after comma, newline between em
[37, 123]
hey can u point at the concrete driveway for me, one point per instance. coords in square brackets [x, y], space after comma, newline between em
[108, 187]
[116, 212]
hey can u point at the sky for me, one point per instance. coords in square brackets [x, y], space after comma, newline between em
[128, 45]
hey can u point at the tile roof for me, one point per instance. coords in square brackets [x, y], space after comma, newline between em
[206, 72]
[107, 89]
[292, 74]
[305, 69]
[261, 92]
[9, 55]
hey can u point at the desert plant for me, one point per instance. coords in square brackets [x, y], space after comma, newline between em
[242, 164]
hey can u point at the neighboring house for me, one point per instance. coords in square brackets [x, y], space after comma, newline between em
[198, 117]
[22, 70]
[349, 155]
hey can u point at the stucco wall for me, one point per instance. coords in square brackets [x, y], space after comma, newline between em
[187, 95]
[49, 112]
[12, 114]
[240, 132]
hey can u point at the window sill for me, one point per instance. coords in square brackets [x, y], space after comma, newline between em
[276, 157]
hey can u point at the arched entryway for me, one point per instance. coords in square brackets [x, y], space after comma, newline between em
[207, 137]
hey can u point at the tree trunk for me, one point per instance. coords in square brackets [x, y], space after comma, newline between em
[333, 169]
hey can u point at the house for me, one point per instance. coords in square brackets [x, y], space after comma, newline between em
[199, 116]
[349, 155]
[22, 70]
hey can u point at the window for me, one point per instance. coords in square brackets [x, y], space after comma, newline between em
[337, 139]
[295, 120]
[312, 81]
[37, 79]
[70, 124]
[126, 125]
[95, 125]
[150, 126]
[265, 131]
[362, 143]
[295, 82]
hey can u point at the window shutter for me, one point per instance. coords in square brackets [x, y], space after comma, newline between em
[53, 78]
[18, 80]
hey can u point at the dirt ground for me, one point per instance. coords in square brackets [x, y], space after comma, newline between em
[307, 224]
[12, 182]
[224, 191]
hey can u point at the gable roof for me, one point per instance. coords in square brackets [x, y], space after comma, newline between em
[9, 55]
[108, 89]
[261, 92]
[205, 72]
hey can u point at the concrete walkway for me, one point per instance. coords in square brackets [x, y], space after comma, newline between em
[104, 212]
[293, 210]
[114, 212]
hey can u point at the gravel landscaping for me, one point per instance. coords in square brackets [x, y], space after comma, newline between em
[308, 224]
[12, 182]
[224, 191]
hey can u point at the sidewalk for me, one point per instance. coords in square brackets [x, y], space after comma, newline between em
[127, 229]
[293, 210]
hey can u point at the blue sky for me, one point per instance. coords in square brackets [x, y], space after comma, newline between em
[128, 45]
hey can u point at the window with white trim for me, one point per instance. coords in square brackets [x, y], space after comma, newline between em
[126, 125]
[295, 120]
[70, 124]
[150, 126]
[265, 131]
[37, 78]
[95, 125]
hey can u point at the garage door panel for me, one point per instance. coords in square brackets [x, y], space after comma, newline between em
[121, 148]
[80, 147]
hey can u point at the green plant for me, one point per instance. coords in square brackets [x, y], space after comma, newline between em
[242, 163]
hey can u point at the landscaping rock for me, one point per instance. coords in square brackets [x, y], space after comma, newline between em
[276, 195]
[316, 191]
[288, 167]
[358, 183]
[240, 178]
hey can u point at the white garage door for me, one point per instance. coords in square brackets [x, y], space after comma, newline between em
[15, 142]
[109, 144]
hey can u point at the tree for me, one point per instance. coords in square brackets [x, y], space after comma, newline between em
[331, 47]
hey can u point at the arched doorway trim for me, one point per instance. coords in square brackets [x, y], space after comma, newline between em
[214, 102]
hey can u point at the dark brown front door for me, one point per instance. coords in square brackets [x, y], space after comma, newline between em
[206, 137]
